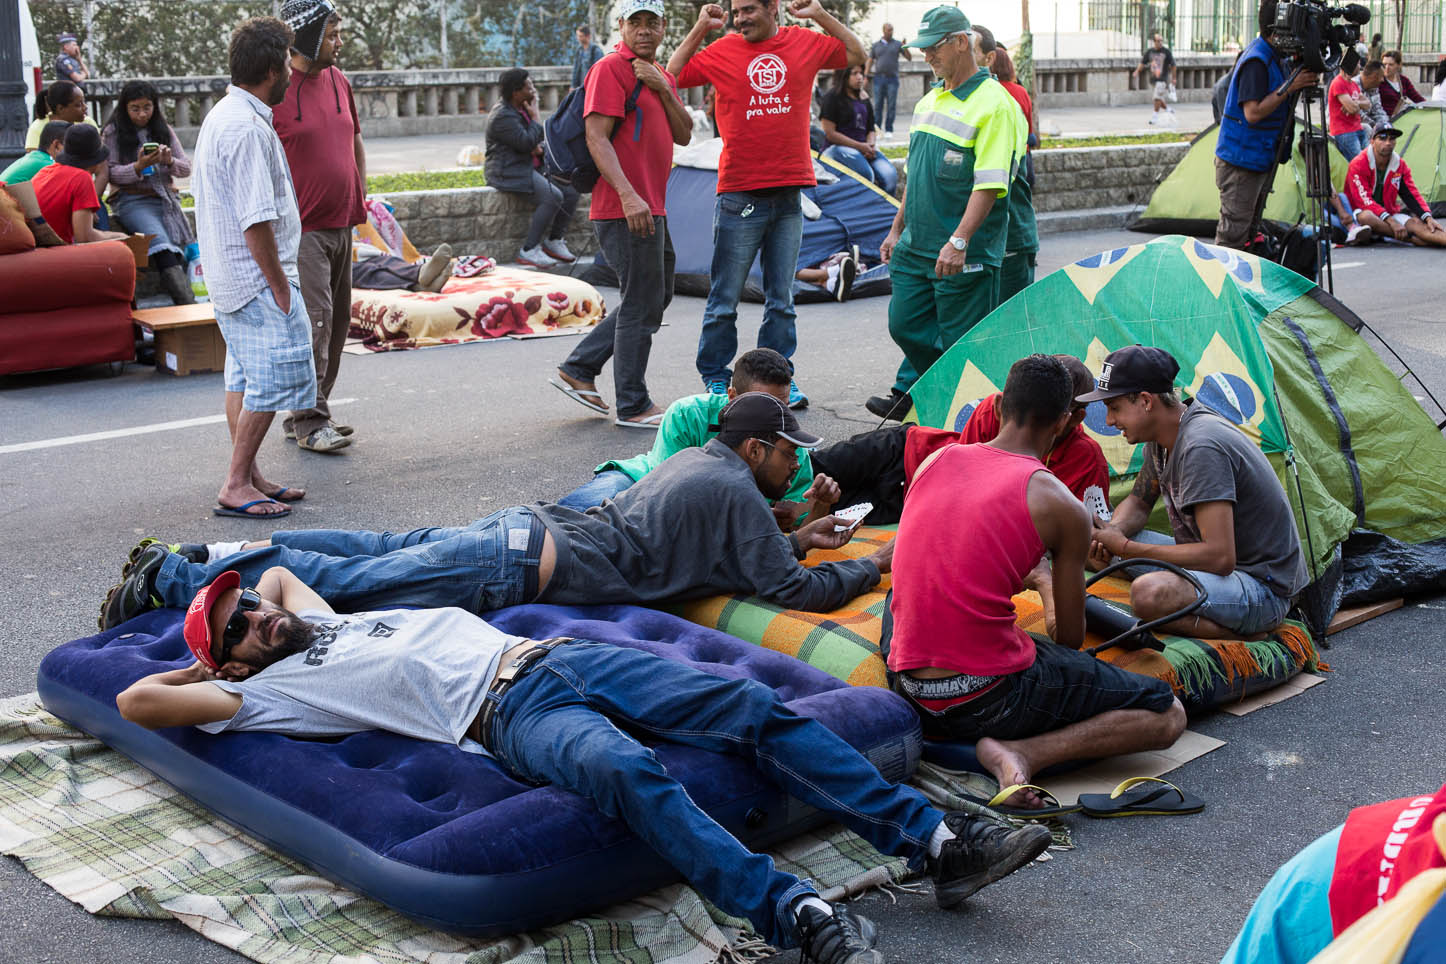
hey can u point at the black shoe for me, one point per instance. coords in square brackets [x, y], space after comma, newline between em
[844, 938]
[981, 853]
[190, 551]
[891, 407]
[137, 593]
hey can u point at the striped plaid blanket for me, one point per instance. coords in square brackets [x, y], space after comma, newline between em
[845, 643]
[115, 839]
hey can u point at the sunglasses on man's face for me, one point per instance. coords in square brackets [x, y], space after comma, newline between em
[238, 625]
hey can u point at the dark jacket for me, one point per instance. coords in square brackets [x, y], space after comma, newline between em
[511, 136]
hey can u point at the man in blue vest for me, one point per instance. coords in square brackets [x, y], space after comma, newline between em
[1257, 111]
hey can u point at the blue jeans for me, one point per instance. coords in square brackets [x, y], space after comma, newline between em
[559, 724]
[475, 567]
[886, 99]
[1351, 143]
[604, 485]
[745, 225]
[879, 170]
[1238, 601]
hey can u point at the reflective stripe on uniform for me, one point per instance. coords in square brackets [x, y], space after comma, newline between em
[995, 176]
[947, 126]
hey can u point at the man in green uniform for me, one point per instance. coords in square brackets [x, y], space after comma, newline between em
[947, 241]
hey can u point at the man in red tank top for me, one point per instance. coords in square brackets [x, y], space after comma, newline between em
[974, 532]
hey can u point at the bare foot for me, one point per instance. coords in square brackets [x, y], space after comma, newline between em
[235, 498]
[282, 493]
[256, 545]
[1009, 767]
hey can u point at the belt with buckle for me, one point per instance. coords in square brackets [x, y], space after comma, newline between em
[513, 665]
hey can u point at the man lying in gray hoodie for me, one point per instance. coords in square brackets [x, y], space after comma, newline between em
[698, 525]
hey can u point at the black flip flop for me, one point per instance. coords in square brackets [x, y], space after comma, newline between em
[1133, 799]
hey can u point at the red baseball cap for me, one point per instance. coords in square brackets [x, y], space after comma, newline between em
[197, 628]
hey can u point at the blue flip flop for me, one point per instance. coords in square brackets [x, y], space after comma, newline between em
[240, 510]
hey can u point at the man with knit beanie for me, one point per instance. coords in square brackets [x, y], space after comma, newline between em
[319, 129]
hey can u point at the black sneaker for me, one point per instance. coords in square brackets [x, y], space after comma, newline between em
[137, 593]
[190, 551]
[843, 938]
[981, 853]
[891, 407]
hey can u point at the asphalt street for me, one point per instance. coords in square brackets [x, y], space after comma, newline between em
[447, 435]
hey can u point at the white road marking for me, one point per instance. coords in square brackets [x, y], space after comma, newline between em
[50, 443]
[1346, 264]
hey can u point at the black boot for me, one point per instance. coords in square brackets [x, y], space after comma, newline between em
[891, 407]
[843, 938]
[178, 285]
[981, 853]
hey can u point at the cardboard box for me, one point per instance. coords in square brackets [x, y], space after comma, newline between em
[138, 243]
[187, 339]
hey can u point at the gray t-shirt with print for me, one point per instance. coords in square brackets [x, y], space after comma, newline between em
[1213, 461]
[421, 673]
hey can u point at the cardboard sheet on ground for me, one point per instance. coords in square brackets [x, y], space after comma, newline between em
[507, 302]
[1105, 775]
[1291, 687]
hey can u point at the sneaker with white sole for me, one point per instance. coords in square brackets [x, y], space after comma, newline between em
[796, 398]
[325, 439]
[536, 258]
[557, 248]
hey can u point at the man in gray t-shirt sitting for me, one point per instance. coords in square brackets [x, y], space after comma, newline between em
[277, 658]
[1233, 525]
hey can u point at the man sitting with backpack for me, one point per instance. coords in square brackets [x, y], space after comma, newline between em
[633, 118]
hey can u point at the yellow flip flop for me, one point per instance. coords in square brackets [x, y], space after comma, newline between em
[1139, 797]
[1056, 809]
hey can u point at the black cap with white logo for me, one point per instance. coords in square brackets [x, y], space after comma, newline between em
[1134, 368]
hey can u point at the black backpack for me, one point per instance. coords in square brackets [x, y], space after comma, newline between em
[1291, 246]
[564, 137]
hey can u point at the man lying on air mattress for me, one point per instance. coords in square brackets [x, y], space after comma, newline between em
[276, 657]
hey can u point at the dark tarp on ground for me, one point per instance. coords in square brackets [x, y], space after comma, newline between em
[854, 212]
[1273, 353]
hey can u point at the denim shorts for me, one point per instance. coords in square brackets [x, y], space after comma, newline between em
[1063, 686]
[268, 354]
[1238, 601]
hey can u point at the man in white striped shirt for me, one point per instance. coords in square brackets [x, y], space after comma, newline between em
[249, 229]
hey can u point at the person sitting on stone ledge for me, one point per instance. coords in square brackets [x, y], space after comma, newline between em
[514, 164]
[52, 142]
[144, 157]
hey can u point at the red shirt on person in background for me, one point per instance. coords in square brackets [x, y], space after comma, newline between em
[318, 125]
[60, 191]
[1341, 122]
[1077, 461]
[1021, 97]
[646, 161]
[764, 93]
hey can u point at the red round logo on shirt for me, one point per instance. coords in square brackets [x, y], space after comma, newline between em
[767, 73]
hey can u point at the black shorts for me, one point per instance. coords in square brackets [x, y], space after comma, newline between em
[1063, 686]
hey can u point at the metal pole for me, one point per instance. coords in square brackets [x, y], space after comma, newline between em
[13, 119]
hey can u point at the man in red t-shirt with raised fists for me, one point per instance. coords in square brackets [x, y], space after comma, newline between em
[764, 78]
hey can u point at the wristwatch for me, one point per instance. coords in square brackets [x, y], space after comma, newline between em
[958, 243]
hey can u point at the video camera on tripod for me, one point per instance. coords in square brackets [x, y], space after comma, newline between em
[1307, 32]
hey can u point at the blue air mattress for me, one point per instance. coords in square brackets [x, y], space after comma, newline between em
[447, 837]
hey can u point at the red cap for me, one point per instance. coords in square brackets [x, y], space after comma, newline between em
[197, 629]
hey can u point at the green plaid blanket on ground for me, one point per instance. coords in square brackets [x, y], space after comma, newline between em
[114, 838]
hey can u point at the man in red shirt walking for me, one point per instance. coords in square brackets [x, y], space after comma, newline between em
[763, 76]
[319, 129]
[633, 151]
[975, 529]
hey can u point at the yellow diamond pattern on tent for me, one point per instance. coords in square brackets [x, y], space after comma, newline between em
[973, 386]
[1223, 383]
[1118, 452]
[1214, 264]
[1091, 274]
